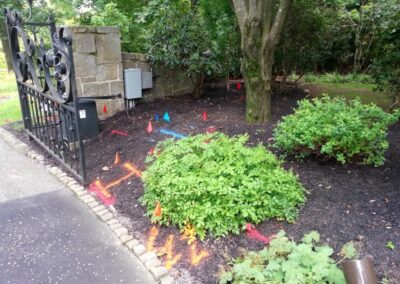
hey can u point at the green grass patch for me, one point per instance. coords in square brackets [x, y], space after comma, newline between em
[335, 77]
[349, 86]
[10, 110]
[350, 91]
[8, 88]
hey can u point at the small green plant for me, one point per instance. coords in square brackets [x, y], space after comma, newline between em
[390, 245]
[284, 261]
[349, 251]
[335, 128]
[217, 184]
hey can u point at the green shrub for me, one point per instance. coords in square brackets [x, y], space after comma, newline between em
[284, 261]
[337, 78]
[310, 78]
[334, 128]
[216, 184]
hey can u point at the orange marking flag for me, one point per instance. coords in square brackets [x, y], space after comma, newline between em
[117, 159]
[157, 211]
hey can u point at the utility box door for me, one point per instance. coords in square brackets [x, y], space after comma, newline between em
[147, 80]
[133, 83]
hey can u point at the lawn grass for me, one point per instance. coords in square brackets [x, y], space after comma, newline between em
[8, 87]
[349, 86]
[10, 110]
[351, 90]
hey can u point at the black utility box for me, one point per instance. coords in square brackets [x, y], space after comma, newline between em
[87, 114]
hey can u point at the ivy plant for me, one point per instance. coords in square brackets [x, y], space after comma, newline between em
[217, 184]
[335, 128]
[284, 261]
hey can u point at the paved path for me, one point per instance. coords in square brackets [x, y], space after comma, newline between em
[48, 236]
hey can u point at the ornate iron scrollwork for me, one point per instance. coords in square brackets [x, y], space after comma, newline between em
[47, 71]
[43, 63]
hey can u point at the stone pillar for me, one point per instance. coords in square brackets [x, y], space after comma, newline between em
[98, 66]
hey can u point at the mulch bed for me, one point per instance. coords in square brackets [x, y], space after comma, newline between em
[345, 202]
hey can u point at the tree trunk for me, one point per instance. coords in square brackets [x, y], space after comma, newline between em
[357, 53]
[5, 48]
[198, 86]
[258, 100]
[258, 88]
[260, 32]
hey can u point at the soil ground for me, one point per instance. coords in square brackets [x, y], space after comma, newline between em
[345, 202]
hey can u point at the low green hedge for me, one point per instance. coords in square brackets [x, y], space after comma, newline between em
[335, 128]
[217, 184]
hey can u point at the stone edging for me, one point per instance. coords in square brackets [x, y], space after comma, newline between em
[107, 215]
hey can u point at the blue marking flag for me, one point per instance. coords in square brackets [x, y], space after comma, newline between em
[166, 117]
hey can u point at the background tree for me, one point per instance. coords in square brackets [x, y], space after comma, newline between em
[386, 62]
[177, 38]
[125, 14]
[315, 39]
[360, 16]
[261, 24]
[5, 49]
[224, 35]
[112, 16]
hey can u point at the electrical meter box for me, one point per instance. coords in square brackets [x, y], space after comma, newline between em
[135, 81]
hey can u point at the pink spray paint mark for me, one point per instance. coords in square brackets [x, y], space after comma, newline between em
[253, 233]
[211, 129]
[118, 132]
[102, 193]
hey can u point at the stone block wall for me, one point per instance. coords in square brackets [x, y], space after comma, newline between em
[166, 81]
[98, 66]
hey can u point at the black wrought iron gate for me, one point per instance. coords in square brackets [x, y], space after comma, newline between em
[44, 69]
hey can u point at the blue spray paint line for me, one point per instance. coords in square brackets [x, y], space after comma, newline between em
[172, 133]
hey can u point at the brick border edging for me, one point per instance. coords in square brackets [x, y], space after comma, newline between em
[106, 215]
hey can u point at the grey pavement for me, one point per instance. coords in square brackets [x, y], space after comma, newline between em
[48, 236]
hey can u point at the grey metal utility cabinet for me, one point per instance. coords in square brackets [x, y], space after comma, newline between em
[135, 81]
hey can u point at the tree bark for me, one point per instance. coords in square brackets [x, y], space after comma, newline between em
[5, 48]
[260, 33]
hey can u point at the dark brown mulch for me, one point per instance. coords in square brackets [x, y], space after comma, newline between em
[346, 202]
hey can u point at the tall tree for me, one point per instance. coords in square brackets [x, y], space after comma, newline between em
[361, 15]
[261, 24]
[4, 48]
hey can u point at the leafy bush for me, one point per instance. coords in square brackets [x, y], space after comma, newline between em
[178, 39]
[334, 128]
[111, 14]
[284, 261]
[216, 184]
[386, 64]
